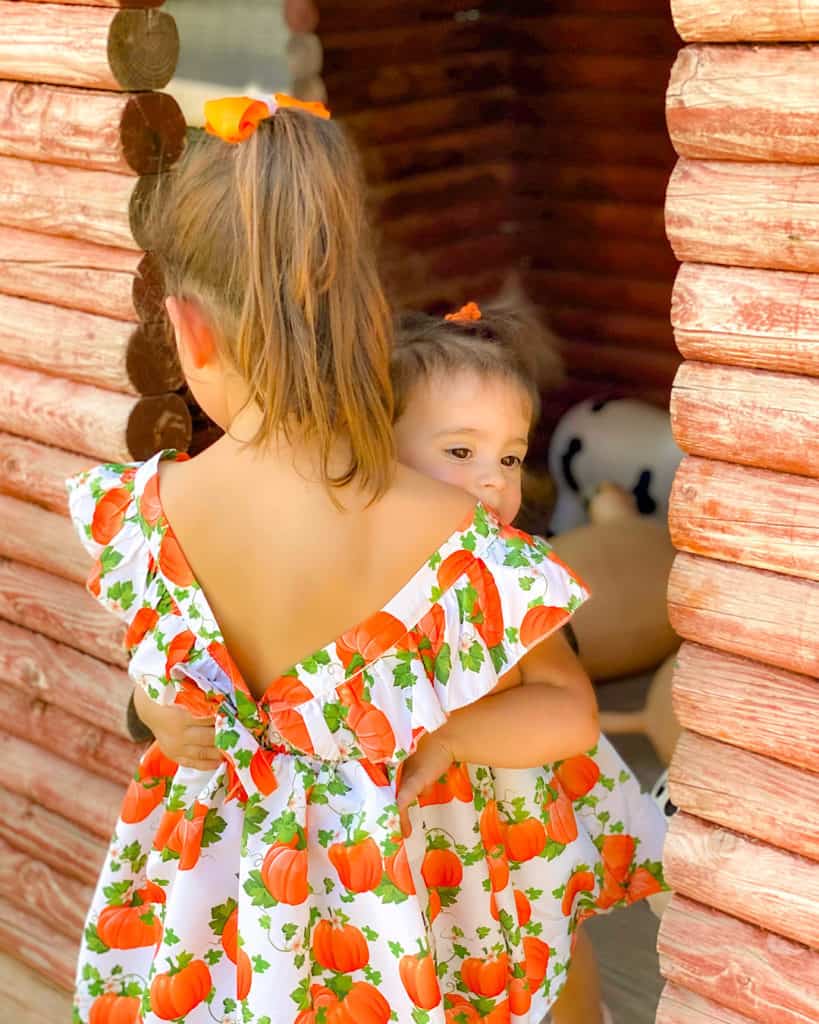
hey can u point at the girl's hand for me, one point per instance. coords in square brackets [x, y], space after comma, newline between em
[430, 761]
[184, 738]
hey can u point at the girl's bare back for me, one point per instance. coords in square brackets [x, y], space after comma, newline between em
[284, 569]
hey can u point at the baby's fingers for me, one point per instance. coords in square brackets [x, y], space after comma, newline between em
[201, 758]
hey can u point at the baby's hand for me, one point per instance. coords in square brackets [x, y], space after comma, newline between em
[183, 737]
[430, 761]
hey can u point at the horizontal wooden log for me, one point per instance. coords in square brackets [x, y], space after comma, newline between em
[644, 73]
[736, 21]
[617, 182]
[747, 317]
[48, 837]
[617, 295]
[118, 283]
[651, 259]
[629, 330]
[59, 609]
[94, 206]
[52, 728]
[753, 881]
[590, 217]
[39, 537]
[577, 144]
[37, 472]
[613, 363]
[34, 943]
[28, 998]
[744, 214]
[594, 109]
[749, 612]
[745, 103]
[647, 33]
[680, 1005]
[768, 979]
[750, 417]
[91, 349]
[413, 269]
[462, 219]
[747, 793]
[36, 888]
[89, 47]
[443, 295]
[106, 3]
[341, 15]
[102, 424]
[61, 787]
[426, 193]
[396, 160]
[748, 704]
[752, 516]
[93, 690]
[140, 133]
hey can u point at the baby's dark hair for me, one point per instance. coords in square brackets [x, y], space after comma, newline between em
[507, 341]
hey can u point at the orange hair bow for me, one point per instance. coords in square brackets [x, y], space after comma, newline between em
[235, 118]
[471, 311]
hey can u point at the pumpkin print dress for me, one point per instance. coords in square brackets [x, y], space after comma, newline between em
[277, 889]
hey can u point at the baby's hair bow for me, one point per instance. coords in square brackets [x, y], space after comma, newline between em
[235, 118]
[465, 314]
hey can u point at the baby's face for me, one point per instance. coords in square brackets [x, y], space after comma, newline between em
[471, 431]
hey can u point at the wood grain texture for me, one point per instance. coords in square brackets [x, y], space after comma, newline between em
[106, 3]
[765, 977]
[52, 728]
[54, 673]
[744, 214]
[586, 291]
[93, 206]
[60, 610]
[747, 317]
[140, 133]
[620, 330]
[51, 838]
[758, 883]
[745, 103]
[612, 361]
[748, 704]
[393, 161]
[118, 283]
[679, 1005]
[59, 786]
[112, 354]
[91, 47]
[747, 793]
[36, 888]
[749, 612]
[39, 537]
[752, 516]
[37, 472]
[734, 21]
[29, 998]
[618, 182]
[34, 943]
[750, 417]
[98, 423]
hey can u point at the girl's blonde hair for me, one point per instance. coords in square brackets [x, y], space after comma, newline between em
[271, 236]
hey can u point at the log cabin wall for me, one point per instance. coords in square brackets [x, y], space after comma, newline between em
[86, 373]
[740, 940]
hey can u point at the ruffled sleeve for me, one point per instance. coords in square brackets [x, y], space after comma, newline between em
[104, 513]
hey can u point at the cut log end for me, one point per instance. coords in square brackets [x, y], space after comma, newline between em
[158, 422]
[152, 132]
[151, 361]
[148, 290]
[143, 49]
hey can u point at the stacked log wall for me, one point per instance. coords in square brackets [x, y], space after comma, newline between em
[87, 373]
[740, 941]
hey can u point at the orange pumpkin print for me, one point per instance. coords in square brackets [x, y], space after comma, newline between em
[498, 864]
[442, 869]
[485, 978]
[520, 995]
[129, 927]
[453, 567]
[167, 824]
[113, 1009]
[172, 563]
[433, 629]
[230, 936]
[145, 619]
[370, 640]
[244, 974]
[433, 904]
[461, 1011]
[492, 828]
[398, 870]
[359, 865]
[141, 798]
[195, 700]
[179, 648]
[617, 852]
[611, 892]
[93, 582]
[578, 776]
[372, 730]
[109, 515]
[537, 954]
[149, 505]
[523, 907]
[321, 999]
[456, 783]
[420, 979]
[581, 881]
[340, 947]
[175, 994]
[642, 884]
[291, 727]
[363, 1004]
[261, 771]
[284, 874]
[524, 840]
[287, 691]
[489, 603]
[562, 824]
[186, 836]
[539, 622]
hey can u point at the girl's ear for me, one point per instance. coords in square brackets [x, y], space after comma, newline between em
[194, 336]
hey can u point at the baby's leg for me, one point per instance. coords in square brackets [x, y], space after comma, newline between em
[579, 1001]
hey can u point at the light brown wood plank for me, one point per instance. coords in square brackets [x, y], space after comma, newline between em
[762, 21]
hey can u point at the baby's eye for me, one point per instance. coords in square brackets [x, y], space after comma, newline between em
[511, 461]
[459, 453]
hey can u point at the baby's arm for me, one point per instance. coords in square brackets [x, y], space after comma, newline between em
[183, 737]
